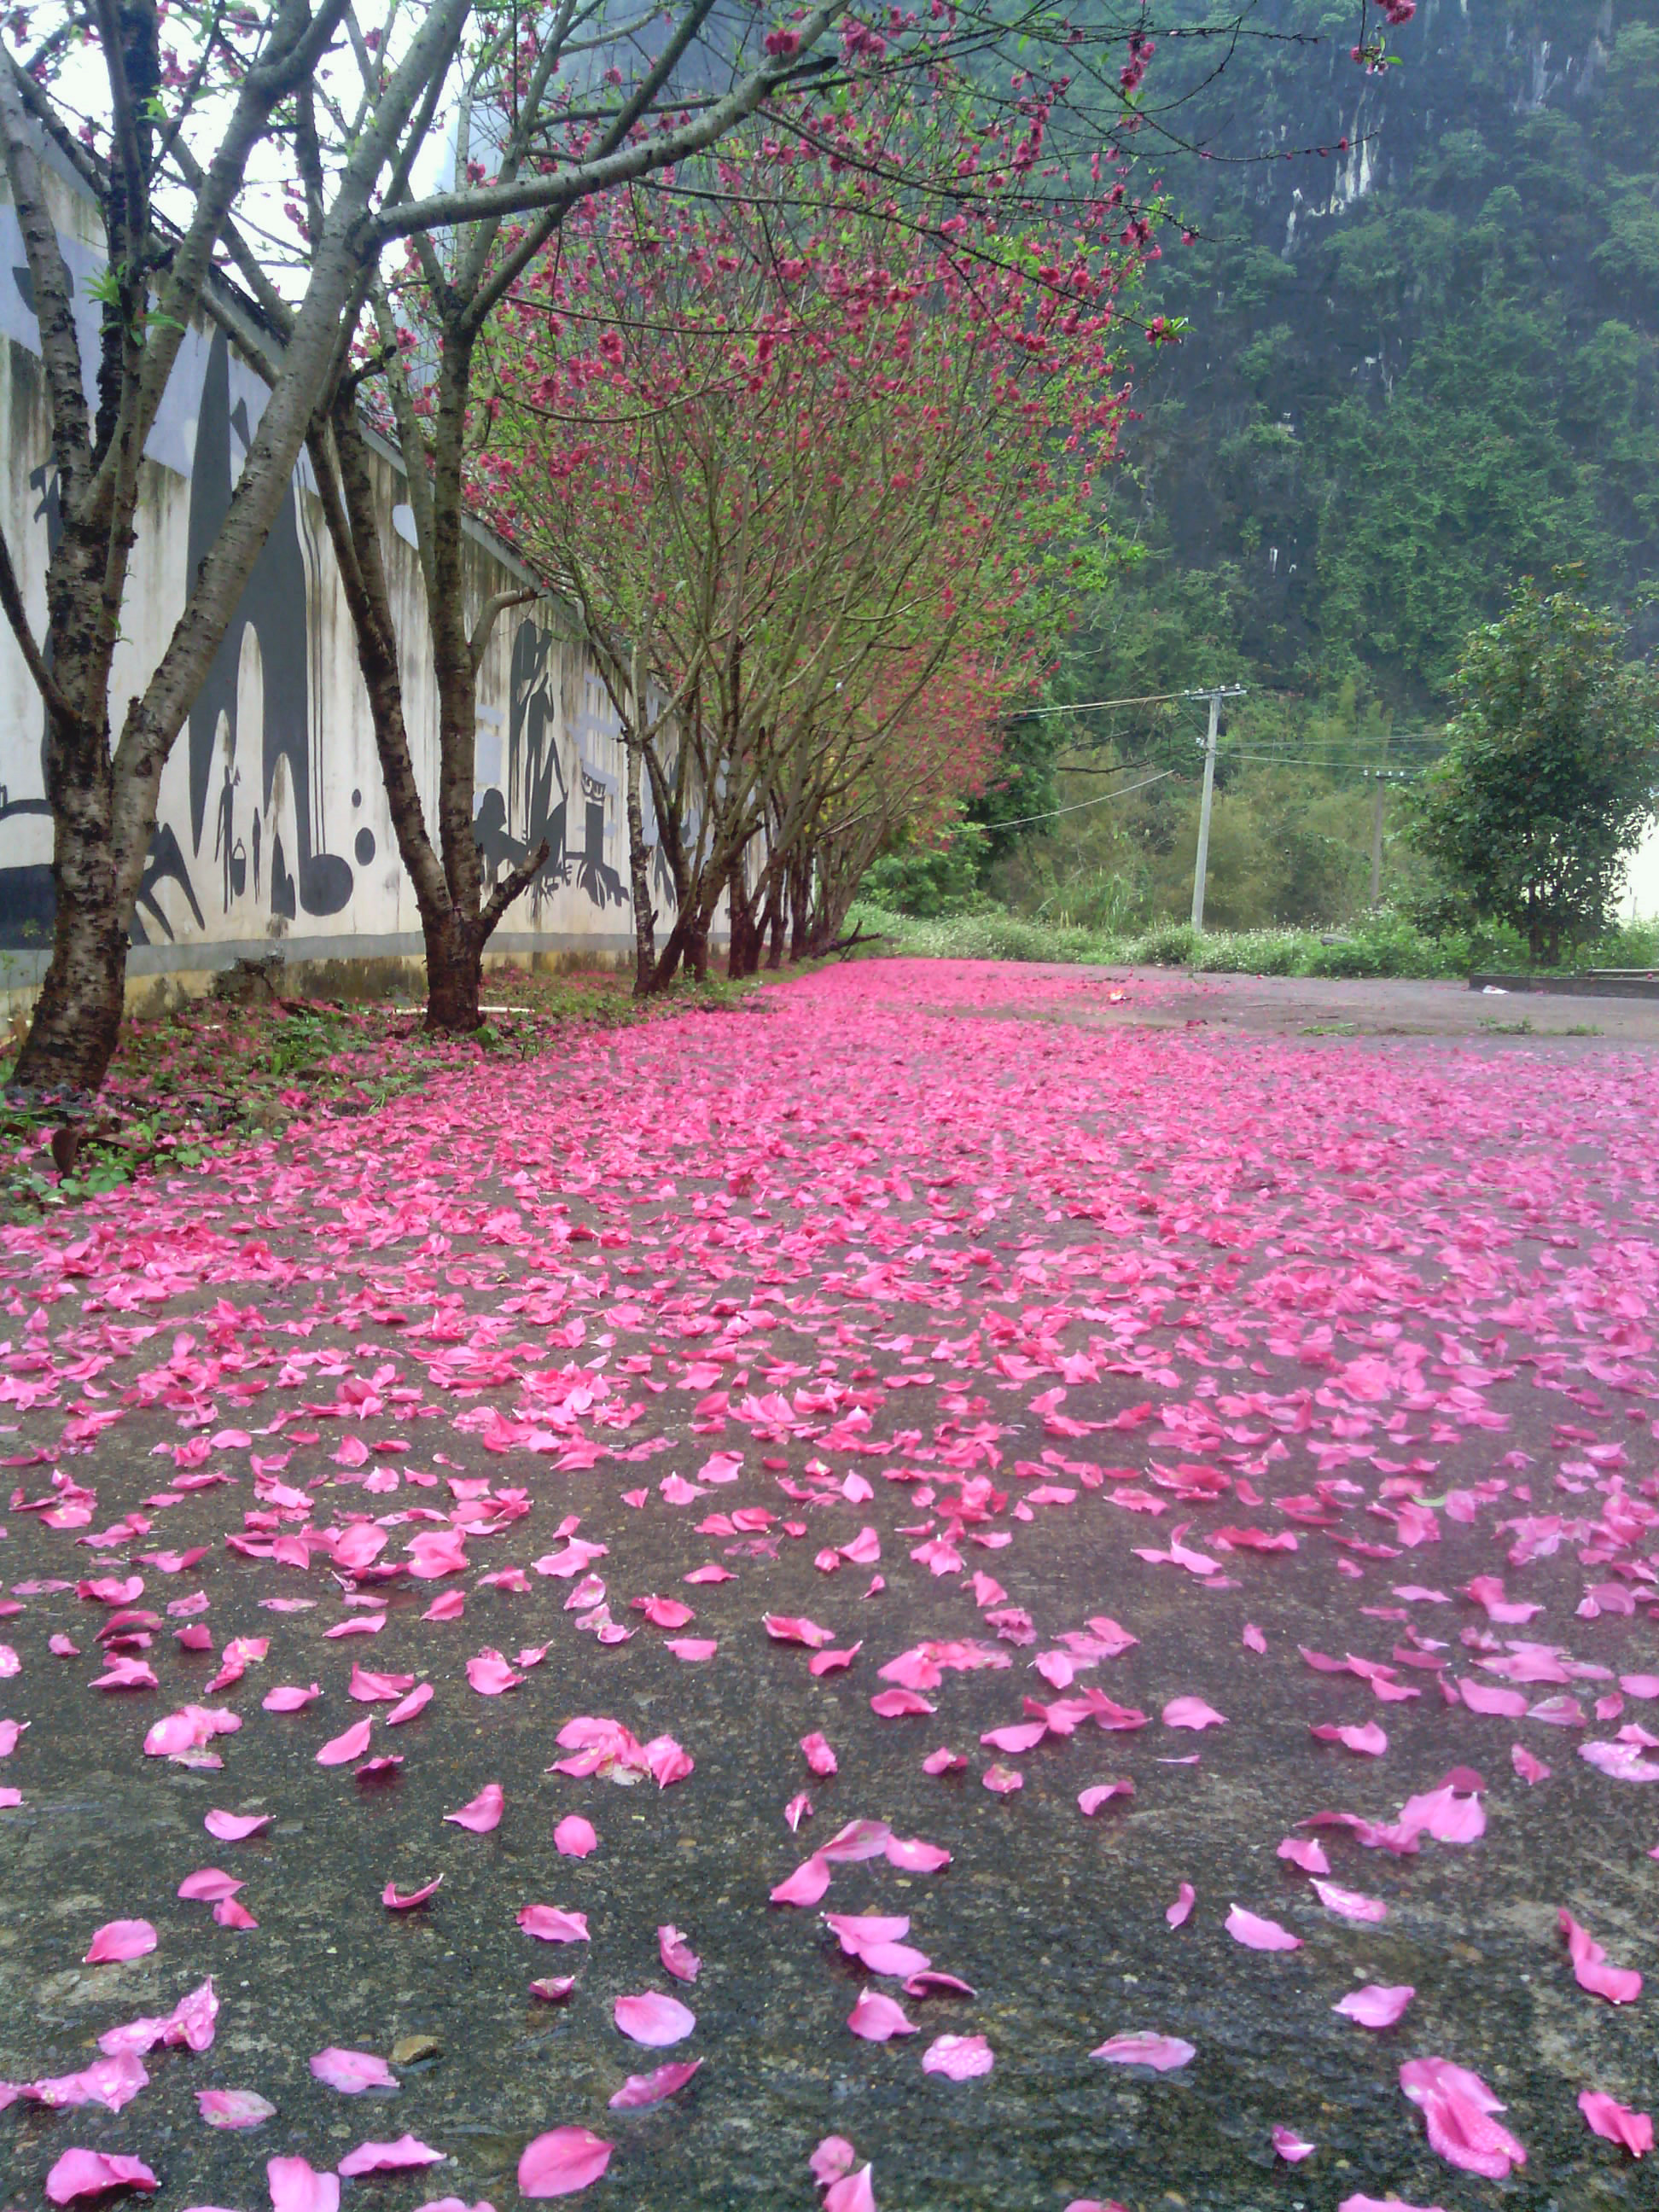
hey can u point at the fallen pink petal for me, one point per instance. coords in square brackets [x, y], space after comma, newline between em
[833, 2158]
[642, 2090]
[1605, 2116]
[92, 2172]
[1350, 1903]
[853, 2192]
[234, 2108]
[1458, 2111]
[1375, 2006]
[1358, 2202]
[1091, 1799]
[1144, 2048]
[481, 1813]
[653, 2018]
[235, 1827]
[1192, 1713]
[818, 1755]
[959, 2058]
[342, 1749]
[118, 1940]
[677, 1954]
[352, 2071]
[295, 2187]
[562, 2162]
[1618, 1985]
[1257, 1933]
[550, 1924]
[877, 2018]
[395, 2157]
[405, 1901]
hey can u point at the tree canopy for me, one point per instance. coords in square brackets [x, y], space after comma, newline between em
[1551, 773]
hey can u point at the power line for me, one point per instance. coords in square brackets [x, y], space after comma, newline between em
[1116, 768]
[1149, 699]
[1313, 760]
[1100, 797]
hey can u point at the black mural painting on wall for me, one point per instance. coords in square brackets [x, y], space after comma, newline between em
[537, 791]
[535, 778]
[274, 606]
[593, 874]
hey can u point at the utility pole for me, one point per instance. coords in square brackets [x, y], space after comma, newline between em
[1379, 779]
[1200, 865]
[1376, 832]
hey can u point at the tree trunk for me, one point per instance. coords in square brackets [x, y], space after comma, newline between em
[76, 1020]
[454, 973]
[742, 914]
[668, 960]
[639, 870]
[801, 905]
[775, 920]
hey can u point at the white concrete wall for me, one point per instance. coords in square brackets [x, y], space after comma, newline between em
[273, 831]
[1641, 899]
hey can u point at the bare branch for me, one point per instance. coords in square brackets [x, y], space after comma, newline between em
[509, 889]
[495, 606]
[11, 599]
[620, 167]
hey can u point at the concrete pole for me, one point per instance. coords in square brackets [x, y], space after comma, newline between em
[1203, 862]
[1376, 842]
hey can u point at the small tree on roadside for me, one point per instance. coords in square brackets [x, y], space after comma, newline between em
[1551, 773]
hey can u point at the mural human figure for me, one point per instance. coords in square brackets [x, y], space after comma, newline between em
[536, 790]
[224, 833]
[498, 848]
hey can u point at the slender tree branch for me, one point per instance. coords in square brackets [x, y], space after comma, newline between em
[495, 606]
[509, 889]
[624, 163]
[11, 599]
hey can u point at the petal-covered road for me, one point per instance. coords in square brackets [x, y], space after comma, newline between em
[894, 1597]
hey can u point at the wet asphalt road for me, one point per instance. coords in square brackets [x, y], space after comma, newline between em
[1056, 1921]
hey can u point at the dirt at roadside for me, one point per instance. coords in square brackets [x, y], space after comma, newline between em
[1314, 1006]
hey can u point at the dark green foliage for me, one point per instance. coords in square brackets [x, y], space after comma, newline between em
[1552, 770]
[1023, 786]
[932, 879]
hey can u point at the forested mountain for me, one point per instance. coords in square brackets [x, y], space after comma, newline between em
[1418, 364]
[1419, 367]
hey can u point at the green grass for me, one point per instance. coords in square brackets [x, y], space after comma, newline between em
[212, 1075]
[1384, 945]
